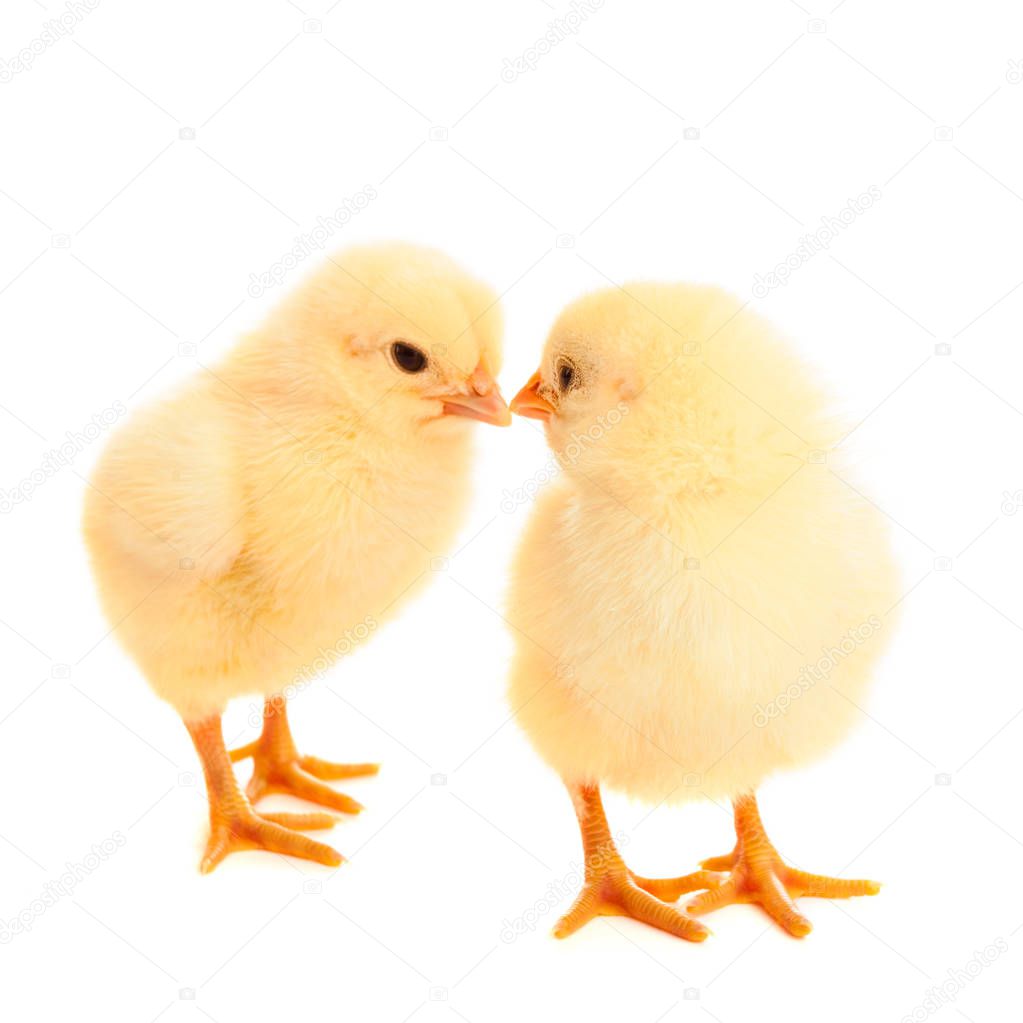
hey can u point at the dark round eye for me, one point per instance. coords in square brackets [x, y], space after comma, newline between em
[566, 376]
[408, 357]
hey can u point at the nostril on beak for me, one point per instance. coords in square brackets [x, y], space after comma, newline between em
[481, 382]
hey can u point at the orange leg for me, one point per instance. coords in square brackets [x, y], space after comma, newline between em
[234, 825]
[760, 875]
[277, 765]
[611, 889]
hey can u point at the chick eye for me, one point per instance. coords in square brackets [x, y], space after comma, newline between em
[566, 376]
[407, 357]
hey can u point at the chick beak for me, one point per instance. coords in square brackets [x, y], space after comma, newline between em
[483, 402]
[530, 403]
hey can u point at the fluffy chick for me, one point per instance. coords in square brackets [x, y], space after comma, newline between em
[283, 503]
[695, 553]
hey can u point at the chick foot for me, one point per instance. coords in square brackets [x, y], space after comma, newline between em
[758, 874]
[611, 889]
[234, 825]
[277, 765]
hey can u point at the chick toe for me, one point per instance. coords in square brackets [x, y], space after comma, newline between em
[329, 770]
[668, 889]
[242, 831]
[611, 889]
[302, 821]
[234, 825]
[289, 779]
[616, 894]
[761, 876]
[278, 767]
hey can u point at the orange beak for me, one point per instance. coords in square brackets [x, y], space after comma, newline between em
[529, 403]
[483, 402]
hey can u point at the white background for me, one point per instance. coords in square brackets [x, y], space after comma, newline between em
[127, 257]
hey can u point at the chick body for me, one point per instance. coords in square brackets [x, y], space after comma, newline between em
[692, 561]
[243, 528]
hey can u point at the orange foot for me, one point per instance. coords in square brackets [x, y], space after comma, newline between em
[278, 767]
[234, 825]
[242, 828]
[611, 889]
[758, 874]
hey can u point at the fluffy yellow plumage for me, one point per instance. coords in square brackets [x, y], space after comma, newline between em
[242, 528]
[699, 589]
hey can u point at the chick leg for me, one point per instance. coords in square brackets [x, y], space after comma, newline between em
[760, 875]
[610, 888]
[277, 765]
[234, 825]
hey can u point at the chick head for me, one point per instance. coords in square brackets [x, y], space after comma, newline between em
[400, 327]
[669, 385]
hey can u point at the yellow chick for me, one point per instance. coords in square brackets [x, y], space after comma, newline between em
[282, 504]
[694, 555]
